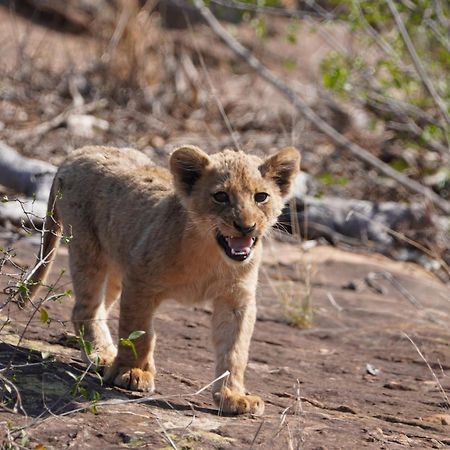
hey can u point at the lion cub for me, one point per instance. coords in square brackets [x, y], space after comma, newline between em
[146, 234]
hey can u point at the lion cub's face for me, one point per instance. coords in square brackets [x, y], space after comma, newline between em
[232, 197]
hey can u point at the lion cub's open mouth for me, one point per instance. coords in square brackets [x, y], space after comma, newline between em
[237, 248]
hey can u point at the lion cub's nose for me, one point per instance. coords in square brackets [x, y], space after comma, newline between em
[244, 229]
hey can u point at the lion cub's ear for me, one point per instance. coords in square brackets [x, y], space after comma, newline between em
[282, 167]
[187, 164]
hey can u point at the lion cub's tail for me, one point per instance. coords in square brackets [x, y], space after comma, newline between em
[51, 230]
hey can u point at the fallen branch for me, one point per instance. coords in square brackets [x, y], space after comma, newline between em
[27, 176]
[17, 136]
[356, 222]
[359, 152]
[30, 177]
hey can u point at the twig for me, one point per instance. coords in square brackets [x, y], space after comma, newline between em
[440, 14]
[166, 435]
[444, 394]
[438, 35]
[359, 152]
[39, 130]
[417, 63]
[334, 302]
[406, 239]
[256, 434]
[18, 405]
[145, 399]
[212, 89]
[397, 285]
[380, 41]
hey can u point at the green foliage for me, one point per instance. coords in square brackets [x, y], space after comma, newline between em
[94, 399]
[291, 35]
[79, 390]
[271, 3]
[329, 179]
[128, 342]
[43, 315]
[290, 64]
[22, 288]
[135, 334]
[84, 344]
[431, 132]
[399, 164]
[67, 238]
[380, 66]
[335, 72]
[260, 26]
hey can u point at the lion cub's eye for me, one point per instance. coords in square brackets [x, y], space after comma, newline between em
[261, 197]
[221, 197]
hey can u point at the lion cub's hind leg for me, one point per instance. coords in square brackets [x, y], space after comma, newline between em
[93, 299]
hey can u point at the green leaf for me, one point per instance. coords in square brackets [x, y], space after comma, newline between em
[329, 180]
[260, 27]
[23, 289]
[290, 64]
[342, 181]
[130, 344]
[292, 31]
[135, 334]
[431, 132]
[87, 345]
[43, 315]
[399, 164]
[335, 73]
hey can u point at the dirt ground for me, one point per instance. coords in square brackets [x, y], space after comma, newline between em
[354, 379]
[371, 371]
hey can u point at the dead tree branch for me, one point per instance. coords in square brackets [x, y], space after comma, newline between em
[44, 127]
[359, 152]
[30, 177]
[25, 175]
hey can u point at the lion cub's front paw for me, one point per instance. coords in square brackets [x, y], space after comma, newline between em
[235, 403]
[130, 378]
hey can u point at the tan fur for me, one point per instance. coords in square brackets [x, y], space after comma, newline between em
[146, 234]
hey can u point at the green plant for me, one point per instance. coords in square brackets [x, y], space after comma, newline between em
[297, 303]
[129, 341]
[397, 68]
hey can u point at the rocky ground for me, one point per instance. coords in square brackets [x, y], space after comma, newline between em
[371, 372]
